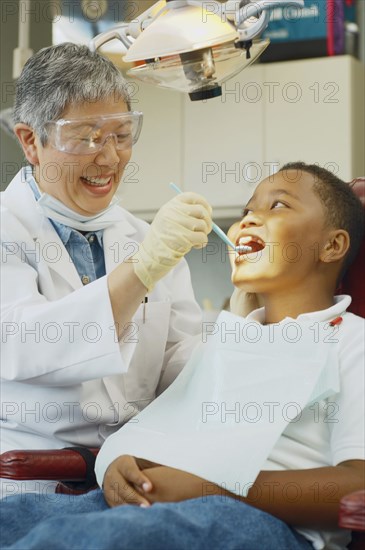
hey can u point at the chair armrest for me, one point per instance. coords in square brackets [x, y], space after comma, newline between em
[60, 465]
[352, 511]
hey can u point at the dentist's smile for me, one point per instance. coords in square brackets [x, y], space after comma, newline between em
[98, 186]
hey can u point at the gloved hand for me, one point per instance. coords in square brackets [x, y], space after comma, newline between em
[181, 224]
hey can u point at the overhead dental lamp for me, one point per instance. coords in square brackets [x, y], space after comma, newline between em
[194, 46]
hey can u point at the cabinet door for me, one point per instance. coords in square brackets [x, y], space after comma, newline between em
[156, 158]
[222, 143]
[309, 114]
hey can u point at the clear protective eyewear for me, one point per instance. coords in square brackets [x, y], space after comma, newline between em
[88, 135]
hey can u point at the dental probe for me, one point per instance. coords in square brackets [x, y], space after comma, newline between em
[218, 230]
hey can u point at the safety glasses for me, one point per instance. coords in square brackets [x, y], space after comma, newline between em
[88, 135]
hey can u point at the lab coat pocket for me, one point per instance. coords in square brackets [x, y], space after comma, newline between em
[150, 329]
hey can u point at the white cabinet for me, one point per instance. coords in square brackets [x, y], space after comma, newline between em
[269, 114]
[223, 143]
[156, 158]
[316, 114]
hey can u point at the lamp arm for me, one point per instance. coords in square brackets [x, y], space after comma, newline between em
[122, 31]
[260, 9]
[139, 24]
[118, 32]
[250, 32]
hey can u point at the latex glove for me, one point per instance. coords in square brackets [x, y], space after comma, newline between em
[181, 224]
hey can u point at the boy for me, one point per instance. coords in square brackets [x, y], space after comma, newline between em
[306, 209]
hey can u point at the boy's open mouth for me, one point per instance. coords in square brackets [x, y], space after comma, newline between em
[255, 244]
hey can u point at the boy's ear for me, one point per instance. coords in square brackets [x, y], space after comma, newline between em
[27, 139]
[336, 246]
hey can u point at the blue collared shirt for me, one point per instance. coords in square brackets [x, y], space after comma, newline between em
[85, 250]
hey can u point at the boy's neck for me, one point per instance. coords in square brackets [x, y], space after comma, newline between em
[278, 307]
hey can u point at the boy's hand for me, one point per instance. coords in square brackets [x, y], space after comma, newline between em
[125, 483]
[172, 485]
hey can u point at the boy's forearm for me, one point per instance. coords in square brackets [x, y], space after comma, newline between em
[306, 497]
[298, 497]
[143, 463]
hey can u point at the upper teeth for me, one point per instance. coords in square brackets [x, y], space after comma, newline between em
[245, 245]
[97, 181]
[248, 239]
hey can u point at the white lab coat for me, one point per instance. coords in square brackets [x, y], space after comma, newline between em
[66, 380]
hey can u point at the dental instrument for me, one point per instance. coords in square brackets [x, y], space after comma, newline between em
[218, 230]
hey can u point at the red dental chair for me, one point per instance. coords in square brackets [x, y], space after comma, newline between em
[74, 467]
[352, 507]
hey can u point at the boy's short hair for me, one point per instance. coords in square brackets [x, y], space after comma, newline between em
[343, 208]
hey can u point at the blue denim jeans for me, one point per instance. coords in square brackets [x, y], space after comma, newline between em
[63, 522]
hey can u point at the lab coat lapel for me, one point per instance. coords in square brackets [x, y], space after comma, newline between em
[55, 254]
[19, 198]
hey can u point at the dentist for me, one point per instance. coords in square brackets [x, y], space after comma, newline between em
[98, 312]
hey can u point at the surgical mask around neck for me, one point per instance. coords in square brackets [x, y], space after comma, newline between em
[56, 210]
[59, 212]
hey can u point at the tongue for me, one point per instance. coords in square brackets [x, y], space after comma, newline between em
[256, 247]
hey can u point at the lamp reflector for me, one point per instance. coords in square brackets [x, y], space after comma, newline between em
[181, 30]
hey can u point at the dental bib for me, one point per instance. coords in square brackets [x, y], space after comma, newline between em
[226, 410]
